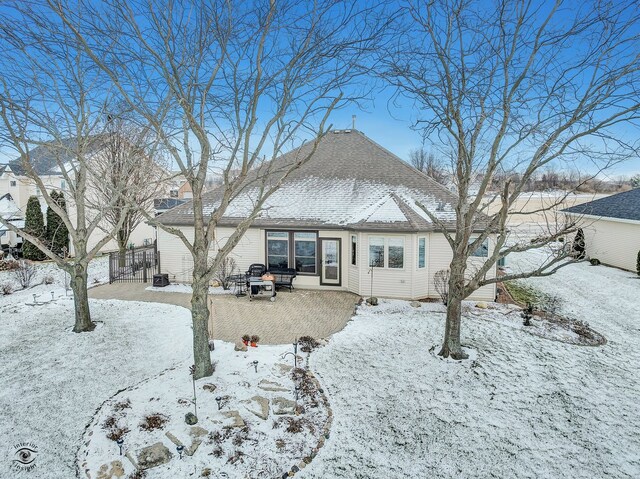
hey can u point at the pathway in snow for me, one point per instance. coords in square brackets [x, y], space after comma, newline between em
[528, 407]
[52, 380]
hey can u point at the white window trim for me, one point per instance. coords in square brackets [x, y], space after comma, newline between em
[418, 253]
[386, 252]
[472, 239]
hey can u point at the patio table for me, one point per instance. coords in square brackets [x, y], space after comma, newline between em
[258, 281]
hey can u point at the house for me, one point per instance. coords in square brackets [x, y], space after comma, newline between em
[347, 219]
[611, 228]
[49, 162]
[9, 210]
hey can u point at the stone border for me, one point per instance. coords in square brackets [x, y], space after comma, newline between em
[81, 454]
[325, 430]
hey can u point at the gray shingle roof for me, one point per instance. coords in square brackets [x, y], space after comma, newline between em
[624, 206]
[350, 182]
[46, 159]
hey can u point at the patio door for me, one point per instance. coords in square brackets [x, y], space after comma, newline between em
[330, 261]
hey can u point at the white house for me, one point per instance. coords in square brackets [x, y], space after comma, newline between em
[346, 216]
[611, 228]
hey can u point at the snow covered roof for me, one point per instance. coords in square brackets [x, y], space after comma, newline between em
[8, 207]
[349, 182]
[624, 206]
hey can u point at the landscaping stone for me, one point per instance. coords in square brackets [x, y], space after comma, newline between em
[239, 346]
[259, 406]
[415, 304]
[281, 405]
[116, 471]
[373, 301]
[209, 387]
[482, 305]
[150, 456]
[283, 369]
[272, 386]
[197, 432]
[234, 419]
[190, 419]
[173, 438]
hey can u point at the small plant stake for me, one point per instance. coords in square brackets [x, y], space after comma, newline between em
[192, 371]
[219, 401]
[297, 392]
[180, 450]
[255, 365]
[120, 443]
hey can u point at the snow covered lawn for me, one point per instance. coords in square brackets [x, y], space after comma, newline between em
[52, 380]
[526, 407]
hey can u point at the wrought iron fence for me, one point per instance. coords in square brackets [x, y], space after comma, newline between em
[136, 265]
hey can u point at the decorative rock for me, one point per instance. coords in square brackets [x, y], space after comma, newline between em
[151, 456]
[283, 369]
[281, 405]
[373, 301]
[173, 438]
[259, 406]
[482, 305]
[209, 387]
[190, 419]
[415, 304]
[272, 386]
[240, 346]
[197, 432]
[116, 471]
[235, 420]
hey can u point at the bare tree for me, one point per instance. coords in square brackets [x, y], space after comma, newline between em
[128, 161]
[519, 86]
[227, 86]
[50, 112]
[429, 164]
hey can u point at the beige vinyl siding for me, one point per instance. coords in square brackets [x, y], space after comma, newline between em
[175, 258]
[440, 255]
[614, 243]
[387, 282]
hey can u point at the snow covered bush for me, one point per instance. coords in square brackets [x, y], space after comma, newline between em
[441, 283]
[8, 265]
[48, 279]
[594, 261]
[551, 304]
[24, 273]
[6, 288]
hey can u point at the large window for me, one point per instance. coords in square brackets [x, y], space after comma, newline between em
[277, 249]
[483, 250]
[305, 252]
[376, 251]
[292, 249]
[386, 252]
[354, 250]
[422, 252]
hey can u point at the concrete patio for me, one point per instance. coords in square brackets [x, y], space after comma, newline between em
[300, 313]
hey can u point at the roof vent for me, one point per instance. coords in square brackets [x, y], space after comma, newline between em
[440, 206]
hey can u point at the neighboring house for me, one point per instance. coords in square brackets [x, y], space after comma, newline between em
[611, 227]
[9, 209]
[350, 207]
[48, 163]
[162, 205]
[178, 186]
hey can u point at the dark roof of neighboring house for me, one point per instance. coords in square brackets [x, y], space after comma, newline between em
[46, 159]
[349, 182]
[167, 203]
[624, 206]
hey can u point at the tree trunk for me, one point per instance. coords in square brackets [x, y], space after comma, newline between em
[81, 299]
[451, 347]
[200, 318]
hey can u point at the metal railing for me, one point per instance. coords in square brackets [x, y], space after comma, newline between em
[136, 265]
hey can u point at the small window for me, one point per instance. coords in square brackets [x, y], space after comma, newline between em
[63, 184]
[376, 251]
[354, 250]
[12, 183]
[422, 250]
[483, 249]
[396, 252]
[173, 194]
